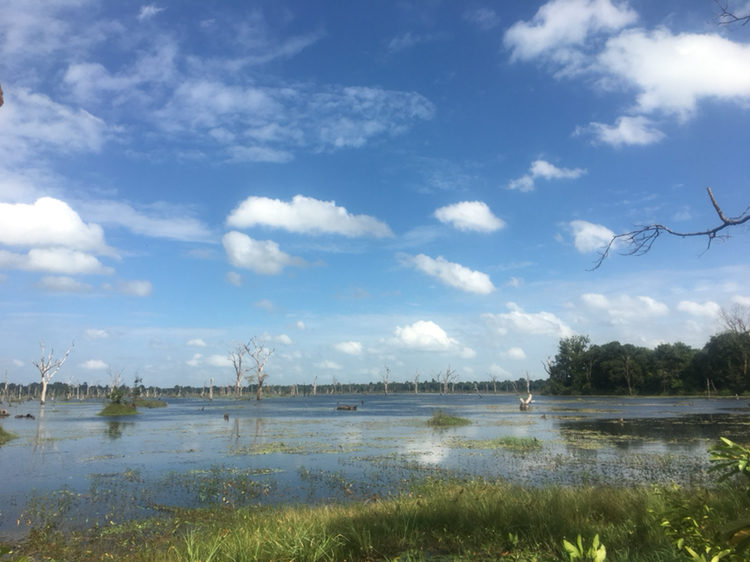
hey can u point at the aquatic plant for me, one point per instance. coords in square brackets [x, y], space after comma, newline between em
[440, 418]
[115, 409]
[6, 436]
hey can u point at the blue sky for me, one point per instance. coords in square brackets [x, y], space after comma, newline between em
[411, 184]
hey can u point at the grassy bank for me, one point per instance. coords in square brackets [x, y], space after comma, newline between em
[437, 520]
[6, 436]
[147, 403]
[118, 410]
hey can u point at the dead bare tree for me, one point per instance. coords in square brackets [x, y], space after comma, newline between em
[736, 320]
[236, 356]
[260, 355]
[385, 376]
[211, 390]
[447, 378]
[639, 241]
[493, 378]
[416, 382]
[48, 367]
[726, 17]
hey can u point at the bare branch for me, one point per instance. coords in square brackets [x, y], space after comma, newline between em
[640, 241]
[727, 18]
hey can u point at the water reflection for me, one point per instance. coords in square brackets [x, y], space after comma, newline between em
[115, 428]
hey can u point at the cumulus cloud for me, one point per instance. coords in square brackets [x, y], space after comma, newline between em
[54, 260]
[328, 365]
[262, 257]
[708, 309]
[469, 215]
[514, 353]
[637, 130]
[197, 342]
[425, 335]
[590, 237]
[452, 274]
[219, 361]
[49, 223]
[545, 170]
[673, 72]
[624, 308]
[94, 364]
[561, 27]
[63, 284]
[519, 321]
[349, 347]
[305, 215]
[195, 360]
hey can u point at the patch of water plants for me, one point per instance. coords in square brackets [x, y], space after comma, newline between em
[441, 418]
[6, 436]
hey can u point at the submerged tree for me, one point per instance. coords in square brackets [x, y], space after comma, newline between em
[259, 354]
[48, 367]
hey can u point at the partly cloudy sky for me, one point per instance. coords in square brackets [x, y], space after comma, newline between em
[361, 184]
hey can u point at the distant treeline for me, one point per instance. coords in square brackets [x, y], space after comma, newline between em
[721, 367]
[66, 391]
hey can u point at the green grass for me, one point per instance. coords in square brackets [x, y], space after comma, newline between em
[146, 403]
[438, 520]
[440, 418]
[118, 410]
[6, 436]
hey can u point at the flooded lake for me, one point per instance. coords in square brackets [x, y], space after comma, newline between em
[72, 467]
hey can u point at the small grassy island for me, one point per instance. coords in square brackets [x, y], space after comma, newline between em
[115, 409]
[440, 418]
[6, 436]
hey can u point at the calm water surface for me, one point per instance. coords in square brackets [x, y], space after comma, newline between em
[79, 468]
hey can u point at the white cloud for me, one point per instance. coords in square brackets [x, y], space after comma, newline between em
[197, 342]
[63, 285]
[738, 299]
[469, 215]
[54, 260]
[19, 363]
[300, 325]
[32, 123]
[543, 169]
[625, 308]
[560, 27]
[673, 72]
[484, 18]
[233, 278]
[136, 288]
[423, 336]
[467, 353]
[349, 347]
[514, 353]
[328, 365]
[539, 323]
[219, 361]
[49, 223]
[262, 257]
[147, 12]
[283, 339]
[637, 130]
[305, 215]
[158, 220]
[452, 274]
[708, 309]
[194, 361]
[259, 154]
[265, 304]
[499, 371]
[95, 334]
[590, 237]
[93, 364]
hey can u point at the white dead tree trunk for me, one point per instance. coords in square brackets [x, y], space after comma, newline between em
[260, 355]
[239, 371]
[315, 386]
[385, 376]
[447, 378]
[211, 390]
[48, 367]
[526, 404]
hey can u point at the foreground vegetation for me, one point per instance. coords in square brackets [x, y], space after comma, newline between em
[440, 418]
[437, 520]
[6, 436]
